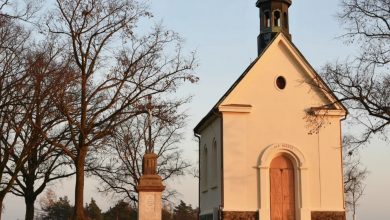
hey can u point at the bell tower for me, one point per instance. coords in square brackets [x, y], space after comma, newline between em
[273, 20]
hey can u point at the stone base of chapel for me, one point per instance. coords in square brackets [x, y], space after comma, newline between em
[327, 215]
[316, 215]
[232, 215]
[226, 215]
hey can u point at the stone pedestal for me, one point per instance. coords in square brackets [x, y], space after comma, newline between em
[149, 206]
[150, 190]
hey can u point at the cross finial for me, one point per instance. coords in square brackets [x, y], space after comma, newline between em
[149, 108]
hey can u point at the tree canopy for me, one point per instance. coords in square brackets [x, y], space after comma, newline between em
[71, 79]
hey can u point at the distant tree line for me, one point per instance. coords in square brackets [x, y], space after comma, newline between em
[61, 209]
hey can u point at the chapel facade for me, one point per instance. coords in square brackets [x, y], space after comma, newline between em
[270, 148]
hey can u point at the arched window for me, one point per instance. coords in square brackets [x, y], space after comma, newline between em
[267, 19]
[285, 18]
[204, 172]
[214, 164]
[277, 18]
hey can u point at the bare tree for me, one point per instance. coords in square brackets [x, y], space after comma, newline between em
[354, 176]
[117, 69]
[23, 10]
[362, 83]
[48, 74]
[29, 83]
[14, 41]
[122, 171]
[12, 114]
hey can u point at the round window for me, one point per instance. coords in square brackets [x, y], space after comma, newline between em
[281, 82]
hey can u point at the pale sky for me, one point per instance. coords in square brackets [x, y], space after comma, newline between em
[224, 35]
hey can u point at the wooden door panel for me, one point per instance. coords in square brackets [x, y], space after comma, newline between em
[276, 195]
[288, 186]
[287, 183]
[282, 189]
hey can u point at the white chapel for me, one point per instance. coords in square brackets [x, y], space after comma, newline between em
[260, 158]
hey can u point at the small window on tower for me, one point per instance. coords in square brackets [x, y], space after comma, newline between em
[277, 18]
[267, 19]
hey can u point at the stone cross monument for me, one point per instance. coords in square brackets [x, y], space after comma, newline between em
[150, 186]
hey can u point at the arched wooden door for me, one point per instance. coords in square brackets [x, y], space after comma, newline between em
[282, 189]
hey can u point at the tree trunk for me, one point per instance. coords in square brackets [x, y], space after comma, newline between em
[79, 190]
[32, 165]
[29, 208]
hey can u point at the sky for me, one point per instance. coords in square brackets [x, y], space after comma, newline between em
[224, 35]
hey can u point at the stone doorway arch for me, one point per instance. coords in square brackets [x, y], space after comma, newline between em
[301, 188]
